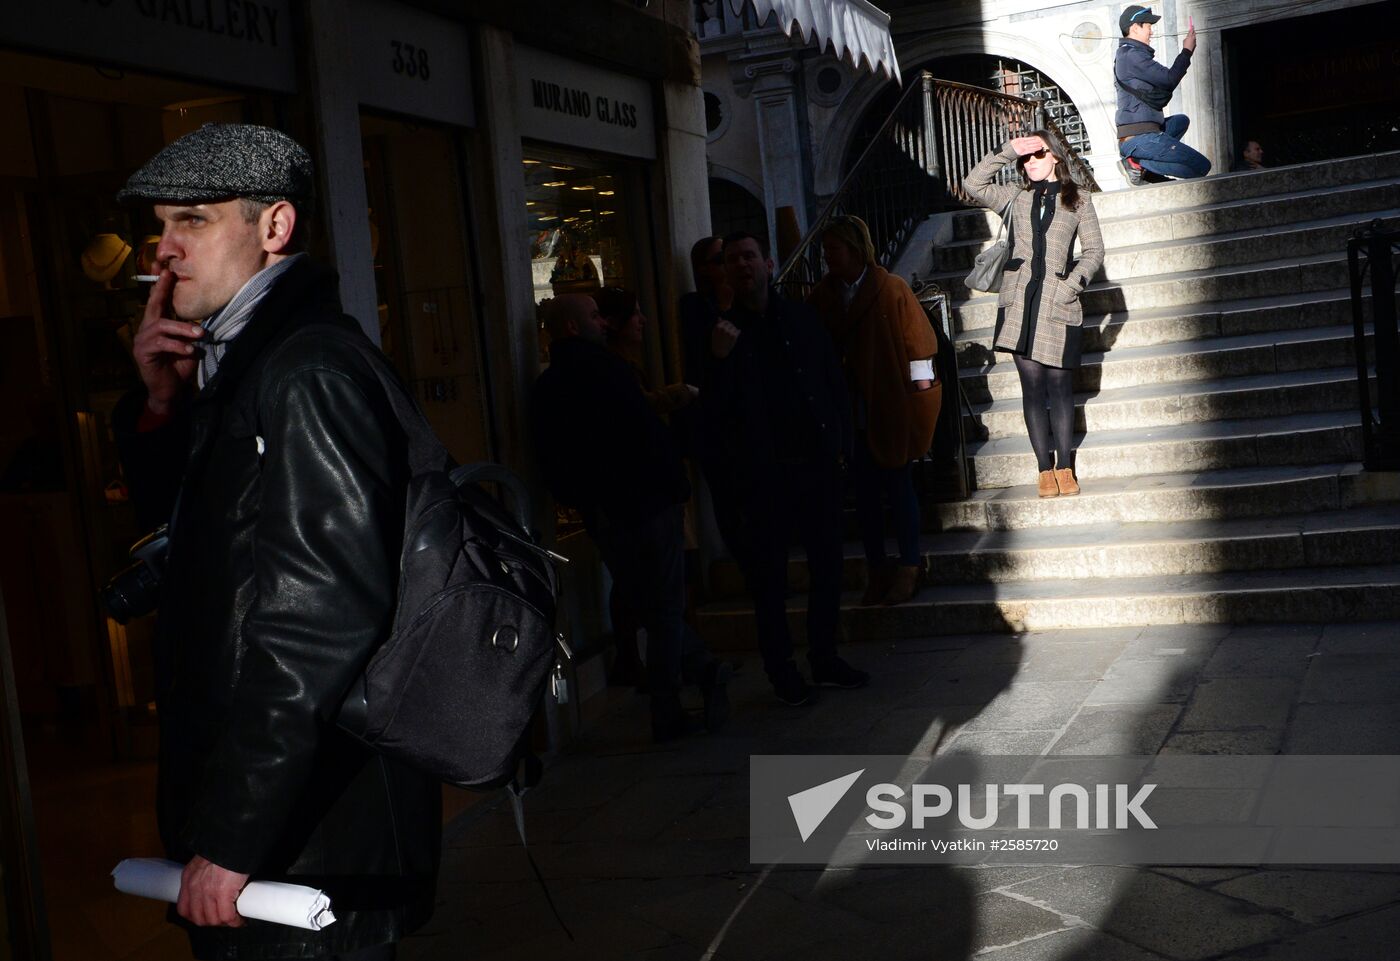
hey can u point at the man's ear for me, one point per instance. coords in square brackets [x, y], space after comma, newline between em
[277, 226]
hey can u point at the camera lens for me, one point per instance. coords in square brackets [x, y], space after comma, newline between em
[131, 593]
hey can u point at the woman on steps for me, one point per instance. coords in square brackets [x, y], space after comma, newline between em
[1039, 318]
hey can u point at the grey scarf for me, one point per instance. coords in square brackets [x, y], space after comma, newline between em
[227, 323]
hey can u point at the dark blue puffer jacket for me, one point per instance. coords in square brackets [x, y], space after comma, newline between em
[1135, 65]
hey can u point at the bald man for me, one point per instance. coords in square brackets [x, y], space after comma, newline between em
[574, 315]
[605, 453]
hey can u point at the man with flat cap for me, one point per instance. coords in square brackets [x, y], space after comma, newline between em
[1149, 142]
[262, 433]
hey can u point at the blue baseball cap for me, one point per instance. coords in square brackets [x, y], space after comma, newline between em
[1135, 14]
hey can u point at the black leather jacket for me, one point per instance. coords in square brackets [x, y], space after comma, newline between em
[281, 580]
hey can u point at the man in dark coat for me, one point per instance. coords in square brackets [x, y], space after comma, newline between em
[260, 407]
[605, 452]
[775, 404]
[1148, 140]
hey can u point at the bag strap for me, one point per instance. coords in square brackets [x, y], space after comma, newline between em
[1005, 222]
[485, 472]
[425, 450]
[1137, 94]
[518, 788]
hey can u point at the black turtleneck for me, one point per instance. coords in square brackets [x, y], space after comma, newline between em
[1044, 196]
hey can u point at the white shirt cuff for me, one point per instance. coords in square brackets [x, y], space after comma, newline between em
[922, 370]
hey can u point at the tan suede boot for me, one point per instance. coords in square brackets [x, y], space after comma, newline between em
[1046, 486]
[1064, 480]
[905, 586]
[878, 585]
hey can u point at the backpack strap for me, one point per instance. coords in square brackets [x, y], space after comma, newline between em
[425, 451]
[518, 787]
[484, 472]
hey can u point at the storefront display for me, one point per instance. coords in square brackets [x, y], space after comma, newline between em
[579, 216]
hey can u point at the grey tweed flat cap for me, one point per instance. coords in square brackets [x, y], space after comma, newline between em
[223, 161]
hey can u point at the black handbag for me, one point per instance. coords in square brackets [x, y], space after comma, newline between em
[990, 263]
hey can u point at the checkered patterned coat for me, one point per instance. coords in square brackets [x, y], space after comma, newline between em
[1056, 340]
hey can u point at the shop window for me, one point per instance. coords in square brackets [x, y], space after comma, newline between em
[579, 216]
[427, 319]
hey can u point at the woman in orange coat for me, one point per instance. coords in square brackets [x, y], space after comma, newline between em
[887, 346]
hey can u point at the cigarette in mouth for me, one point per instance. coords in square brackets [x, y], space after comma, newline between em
[147, 278]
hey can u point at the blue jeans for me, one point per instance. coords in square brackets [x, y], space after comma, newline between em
[1164, 153]
[874, 485]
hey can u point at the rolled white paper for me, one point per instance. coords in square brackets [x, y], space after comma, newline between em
[292, 904]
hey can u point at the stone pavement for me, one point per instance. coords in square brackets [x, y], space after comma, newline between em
[646, 848]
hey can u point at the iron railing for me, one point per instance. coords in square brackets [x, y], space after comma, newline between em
[1374, 250]
[914, 165]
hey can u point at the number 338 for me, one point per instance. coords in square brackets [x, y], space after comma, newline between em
[410, 60]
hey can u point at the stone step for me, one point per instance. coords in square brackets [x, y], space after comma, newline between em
[1192, 194]
[1122, 264]
[1361, 536]
[1288, 276]
[1308, 184]
[1149, 327]
[1297, 439]
[1195, 360]
[975, 228]
[1161, 405]
[1167, 498]
[1305, 595]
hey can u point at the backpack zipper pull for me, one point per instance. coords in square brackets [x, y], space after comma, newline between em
[559, 684]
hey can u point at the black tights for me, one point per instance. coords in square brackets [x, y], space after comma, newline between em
[1045, 387]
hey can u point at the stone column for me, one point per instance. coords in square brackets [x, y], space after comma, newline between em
[343, 199]
[774, 95]
[512, 329]
[687, 189]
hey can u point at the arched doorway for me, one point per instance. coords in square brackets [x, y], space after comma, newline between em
[991, 72]
[734, 208]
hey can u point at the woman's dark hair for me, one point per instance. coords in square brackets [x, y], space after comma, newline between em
[1069, 190]
[615, 304]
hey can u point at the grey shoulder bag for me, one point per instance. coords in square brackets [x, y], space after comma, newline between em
[987, 268]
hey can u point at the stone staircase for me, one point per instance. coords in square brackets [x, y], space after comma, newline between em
[1218, 396]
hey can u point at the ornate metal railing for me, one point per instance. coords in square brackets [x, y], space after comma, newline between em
[914, 165]
[1374, 251]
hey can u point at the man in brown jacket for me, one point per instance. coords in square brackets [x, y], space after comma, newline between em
[887, 348]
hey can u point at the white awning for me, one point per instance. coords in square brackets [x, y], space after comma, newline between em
[857, 29]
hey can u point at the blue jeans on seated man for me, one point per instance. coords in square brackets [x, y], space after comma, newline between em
[1164, 153]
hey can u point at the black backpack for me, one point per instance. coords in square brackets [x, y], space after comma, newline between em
[454, 687]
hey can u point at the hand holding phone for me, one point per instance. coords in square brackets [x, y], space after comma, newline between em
[1190, 42]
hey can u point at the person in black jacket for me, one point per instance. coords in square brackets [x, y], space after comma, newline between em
[701, 307]
[605, 452]
[261, 410]
[775, 406]
[1148, 140]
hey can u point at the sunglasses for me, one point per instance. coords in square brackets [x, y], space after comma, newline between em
[1040, 154]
